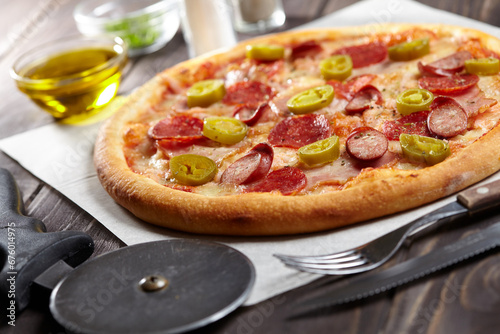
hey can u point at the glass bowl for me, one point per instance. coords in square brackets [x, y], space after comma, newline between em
[145, 25]
[71, 76]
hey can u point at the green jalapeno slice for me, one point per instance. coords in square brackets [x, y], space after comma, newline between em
[224, 130]
[192, 169]
[204, 93]
[409, 50]
[338, 67]
[321, 151]
[483, 66]
[265, 52]
[311, 100]
[424, 149]
[413, 100]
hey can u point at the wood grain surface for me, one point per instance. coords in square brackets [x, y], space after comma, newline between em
[463, 300]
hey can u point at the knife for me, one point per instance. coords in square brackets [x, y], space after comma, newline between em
[470, 202]
[375, 283]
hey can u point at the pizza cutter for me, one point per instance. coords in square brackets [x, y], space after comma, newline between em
[168, 286]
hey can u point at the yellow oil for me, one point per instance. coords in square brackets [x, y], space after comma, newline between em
[74, 82]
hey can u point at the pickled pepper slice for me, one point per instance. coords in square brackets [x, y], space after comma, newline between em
[311, 100]
[192, 169]
[424, 149]
[204, 93]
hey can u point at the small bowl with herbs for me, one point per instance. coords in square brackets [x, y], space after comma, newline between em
[72, 76]
[145, 25]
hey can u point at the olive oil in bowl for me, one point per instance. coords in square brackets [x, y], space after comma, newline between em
[72, 77]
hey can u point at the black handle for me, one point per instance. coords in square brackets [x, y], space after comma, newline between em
[26, 250]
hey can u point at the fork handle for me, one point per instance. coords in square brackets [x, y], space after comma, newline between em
[439, 216]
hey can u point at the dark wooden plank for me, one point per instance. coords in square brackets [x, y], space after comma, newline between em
[59, 214]
[425, 306]
[27, 184]
[485, 11]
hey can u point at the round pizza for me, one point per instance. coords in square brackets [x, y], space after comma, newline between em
[306, 131]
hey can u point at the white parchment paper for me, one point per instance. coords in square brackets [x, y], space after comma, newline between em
[61, 155]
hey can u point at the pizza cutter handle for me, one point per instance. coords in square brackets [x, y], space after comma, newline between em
[26, 250]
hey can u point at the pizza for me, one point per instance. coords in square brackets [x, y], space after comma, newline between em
[306, 131]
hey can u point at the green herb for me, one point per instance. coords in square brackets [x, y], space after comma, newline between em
[137, 31]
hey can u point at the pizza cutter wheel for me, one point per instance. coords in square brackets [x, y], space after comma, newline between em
[168, 286]
[158, 287]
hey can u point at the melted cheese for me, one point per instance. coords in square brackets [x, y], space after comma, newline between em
[286, 79]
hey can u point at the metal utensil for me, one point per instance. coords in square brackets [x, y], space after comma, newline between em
[166, 286]
[376, 252]
[374, 283]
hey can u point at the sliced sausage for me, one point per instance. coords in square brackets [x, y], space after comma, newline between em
[363, 99]
[366, 143]
[248, 114]
[252, 167]
[447, 117]
[446, 66]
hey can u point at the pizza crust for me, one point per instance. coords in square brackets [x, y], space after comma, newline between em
[376, 193]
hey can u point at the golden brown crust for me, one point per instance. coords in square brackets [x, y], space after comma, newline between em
[375, 194]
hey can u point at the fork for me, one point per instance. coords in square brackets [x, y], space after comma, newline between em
[378, 251]
[374, 253]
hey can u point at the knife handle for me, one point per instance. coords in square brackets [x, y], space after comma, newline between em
[26, 250]
[481, 198]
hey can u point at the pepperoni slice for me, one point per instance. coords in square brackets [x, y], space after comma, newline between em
[415, 123]
[348, 89]
[366, 143]
[287, 180]
[447, 117]
[305, 49]
[365, 54]
[250, 168]
[249, 115]
[251, 93]
[446, 66]
[298, 131]
[363, 99]
[454, 84]
[179, 128]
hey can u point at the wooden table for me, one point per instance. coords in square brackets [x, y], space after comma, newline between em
[463, 300]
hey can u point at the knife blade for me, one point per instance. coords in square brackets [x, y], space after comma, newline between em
[377, 282]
